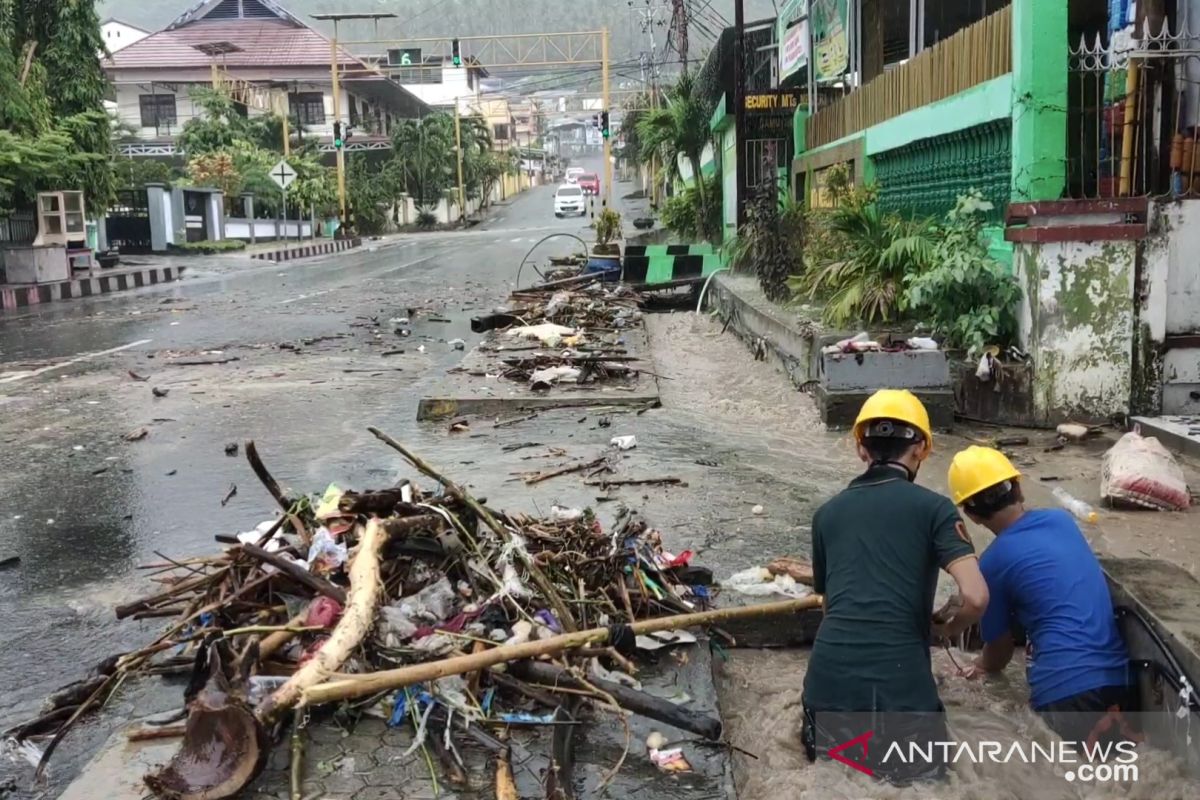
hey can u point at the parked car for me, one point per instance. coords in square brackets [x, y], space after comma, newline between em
[569, 200]
[589, 182]
[573, 173]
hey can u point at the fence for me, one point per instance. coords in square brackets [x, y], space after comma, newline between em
[975, 54]
[1133, 115]
[20, 228]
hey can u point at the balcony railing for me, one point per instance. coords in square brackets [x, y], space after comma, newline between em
[975, 54]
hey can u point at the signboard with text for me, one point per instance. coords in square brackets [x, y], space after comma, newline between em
[831, 38]
[792, 36]
[775, 102]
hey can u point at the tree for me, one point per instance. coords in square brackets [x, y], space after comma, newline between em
[424, 152]
[218, 171]
[52, 100]
[679, 129]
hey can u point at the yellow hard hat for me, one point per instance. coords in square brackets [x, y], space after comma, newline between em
[896, 404]
[978, 468]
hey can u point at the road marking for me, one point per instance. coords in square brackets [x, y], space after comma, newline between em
[516, 240]
[304, 297]
[20, 376]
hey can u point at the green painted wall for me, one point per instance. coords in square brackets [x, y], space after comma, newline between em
[987, 102]
[1039, 146]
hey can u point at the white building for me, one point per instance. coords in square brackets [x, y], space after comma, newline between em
[118, 34]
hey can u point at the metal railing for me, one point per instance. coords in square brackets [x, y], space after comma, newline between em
[975, 54]
[1133, 124]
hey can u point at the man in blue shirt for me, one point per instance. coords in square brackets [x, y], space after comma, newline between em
[1042, 575]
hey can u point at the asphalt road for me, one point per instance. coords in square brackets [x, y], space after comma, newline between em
[82, 507]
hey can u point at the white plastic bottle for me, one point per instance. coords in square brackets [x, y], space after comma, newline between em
[1078, 508]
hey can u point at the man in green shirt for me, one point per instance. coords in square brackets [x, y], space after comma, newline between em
[877, 548]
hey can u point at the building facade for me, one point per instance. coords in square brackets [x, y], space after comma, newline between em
[259, 42]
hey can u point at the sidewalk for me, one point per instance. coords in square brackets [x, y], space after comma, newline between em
[88, 283]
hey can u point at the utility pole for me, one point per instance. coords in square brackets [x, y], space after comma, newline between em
[462, 192]
[607, 142]
[679, 21]
[739, 112]
[337, 114]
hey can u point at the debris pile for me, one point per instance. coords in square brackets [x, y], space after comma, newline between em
[450, 616]
[556, 334]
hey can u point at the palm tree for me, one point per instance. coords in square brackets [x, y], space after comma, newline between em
[681, 128]
[424, 151]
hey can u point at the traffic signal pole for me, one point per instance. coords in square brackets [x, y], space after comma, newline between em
[337, 114]
[462, 192]
[608, 173]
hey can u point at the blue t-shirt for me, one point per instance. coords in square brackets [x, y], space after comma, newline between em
[1041, 573]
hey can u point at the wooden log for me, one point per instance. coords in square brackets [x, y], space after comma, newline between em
[388, 680]
[568, 469]
[145, 603]
[296, 573]
[640, 703]
[351, 630]
[148, 734]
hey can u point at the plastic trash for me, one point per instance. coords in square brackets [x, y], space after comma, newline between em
[325, 554]
[252, 537]
[758, 511]
[564, 514]
[624, 442]
[558, 301]
[922, 343]
[1073, 431]
[1078, 508]
[1139, 471]
[661, 639]
[260, 687]
[433, 604]
[324, 612]
[759, 582]
[547, 333]
[551, 375]
[671, 760]
[457, 344]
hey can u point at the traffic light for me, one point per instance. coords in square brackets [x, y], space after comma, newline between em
[596, 121]
[455, 53]
[604, 129]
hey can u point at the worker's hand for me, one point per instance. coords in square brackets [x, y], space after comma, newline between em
[972, 671]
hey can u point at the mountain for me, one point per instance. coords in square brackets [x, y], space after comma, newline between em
[484, 17]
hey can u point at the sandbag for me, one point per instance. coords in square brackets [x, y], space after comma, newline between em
[1139, 471]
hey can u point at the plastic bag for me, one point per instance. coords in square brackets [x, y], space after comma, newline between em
[430, 606]
[759, 582]
[325, 554]
[1139, 471]
[624, 442]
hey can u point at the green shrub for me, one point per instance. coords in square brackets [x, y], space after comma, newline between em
[426, 219]
[770, 244]
[208, 247]
[608, 227]
[861, 277]
[967, 296]
[690, 217]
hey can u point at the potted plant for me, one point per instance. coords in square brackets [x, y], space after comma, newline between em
[606, 253]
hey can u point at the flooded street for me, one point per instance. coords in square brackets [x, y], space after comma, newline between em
[301, 359]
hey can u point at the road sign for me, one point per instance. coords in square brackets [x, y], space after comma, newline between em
[283, 174]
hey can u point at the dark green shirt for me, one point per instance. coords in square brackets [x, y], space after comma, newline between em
[877, 548]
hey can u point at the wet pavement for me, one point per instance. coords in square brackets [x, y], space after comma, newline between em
[83, 507]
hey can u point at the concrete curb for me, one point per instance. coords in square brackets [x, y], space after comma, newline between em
[23, 296]
[308, 250]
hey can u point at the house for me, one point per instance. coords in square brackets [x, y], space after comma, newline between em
[436, 81]
[259, 42]
[119, 33]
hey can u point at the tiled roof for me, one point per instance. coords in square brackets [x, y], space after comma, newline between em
[264, 43]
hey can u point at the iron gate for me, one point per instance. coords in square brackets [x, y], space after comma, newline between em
[128, 223]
